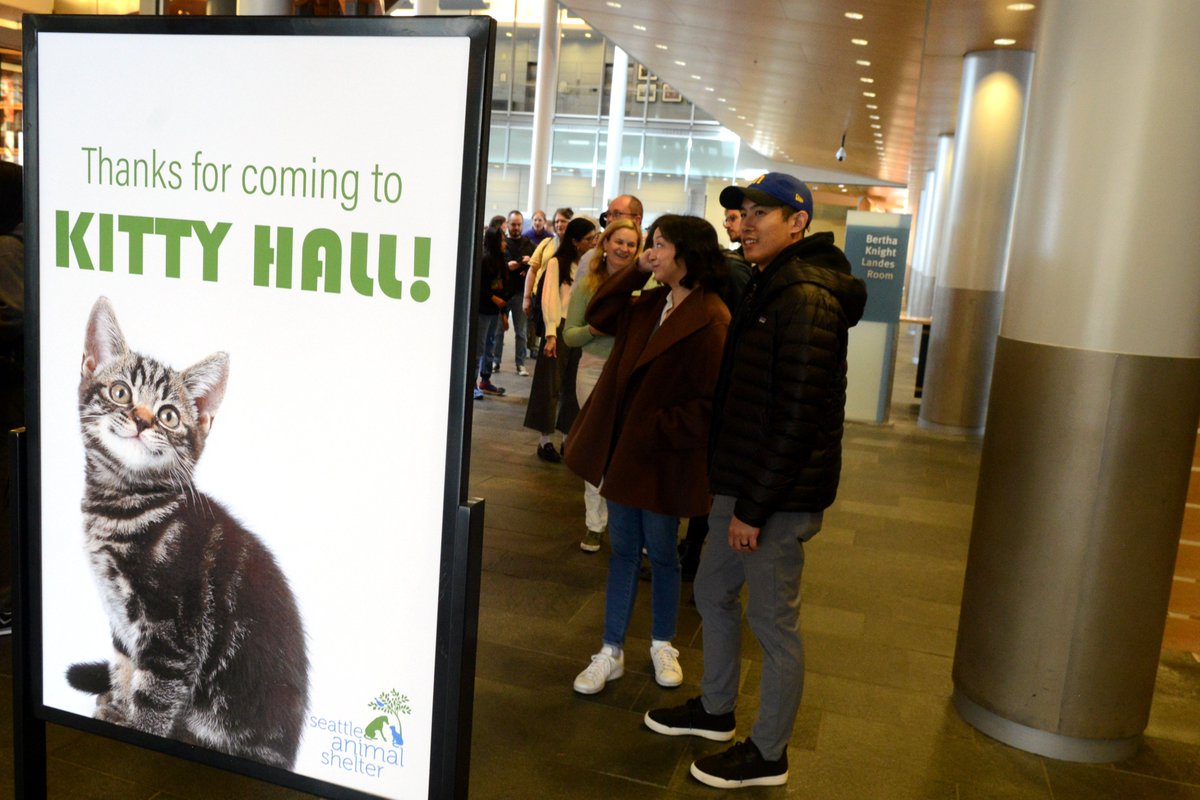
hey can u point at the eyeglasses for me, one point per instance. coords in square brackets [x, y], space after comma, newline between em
[619, 214]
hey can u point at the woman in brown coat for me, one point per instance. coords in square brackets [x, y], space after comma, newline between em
[644, 430]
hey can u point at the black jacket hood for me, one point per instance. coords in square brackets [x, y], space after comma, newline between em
[816, 259]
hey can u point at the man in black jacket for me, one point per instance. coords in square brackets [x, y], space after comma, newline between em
[775, 459]
[519, 250]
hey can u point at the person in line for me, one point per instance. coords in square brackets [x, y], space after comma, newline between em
[537, 231]
[530, 302]
[617, 248]
[624, 206]
[518, 250]
[552, 401]
[491, 306]
[733, 228]
[775, 461]
[644, 429]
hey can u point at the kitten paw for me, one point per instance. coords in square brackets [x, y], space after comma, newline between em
[109, 711]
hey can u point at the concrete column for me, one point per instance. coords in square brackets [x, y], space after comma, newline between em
[426, 8]
[939, 192]
[544, 100]
[970, 282]
[918, 275]
[616, 124]
[1096, 389]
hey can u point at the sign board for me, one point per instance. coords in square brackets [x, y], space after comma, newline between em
[877, 248]
[251, 263]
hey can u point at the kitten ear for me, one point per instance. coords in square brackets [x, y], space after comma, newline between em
[205, 382]
[103, 341]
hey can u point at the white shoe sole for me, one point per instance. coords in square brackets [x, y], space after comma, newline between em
[722, 783]
[712, 736]
[669, 683]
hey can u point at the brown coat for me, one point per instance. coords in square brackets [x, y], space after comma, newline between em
[644, 429]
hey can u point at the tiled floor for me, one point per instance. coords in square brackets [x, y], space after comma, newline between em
[881, 594]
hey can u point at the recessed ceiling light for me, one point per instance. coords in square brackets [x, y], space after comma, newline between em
[859, 42]
[853, 15]
[1004, 42]
[720, 99]
[681, 63]
[731, 108]
[611, 4]
[508, 34]
[1021, 6]
[709, 89]
[661, 46]
[868, 94]
[874, 116]
[872, 106]
[741, 116]
[639, 27]
[587, 34]
[695, 77]
[867, 80]
[862, 62]
[877, 135]
[876, 126]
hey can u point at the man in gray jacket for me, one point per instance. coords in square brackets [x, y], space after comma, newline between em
[775, 461]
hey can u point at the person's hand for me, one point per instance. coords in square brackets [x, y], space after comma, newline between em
[743, 538]
[499, 302]
[527, 305]
[643, 262]
[504, 321]
[513, 266]
[525, 261]
[550, 348]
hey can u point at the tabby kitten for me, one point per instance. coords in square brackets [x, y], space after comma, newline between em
[209, 644]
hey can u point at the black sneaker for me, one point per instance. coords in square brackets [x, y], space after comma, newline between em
[547, 452]
[740, 765]
[690, 719]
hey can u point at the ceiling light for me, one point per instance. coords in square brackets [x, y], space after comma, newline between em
[859, 42]
[877, 135]
[508, 34]
[639, 27]
[874, 116]
[681, 63]
[611, 4]
[841, 186]
[853, 15]
[731, 108]
[695, 77]
[862, 62]
[1021, 6]
[876, 126]
[661, 46]
[709, 89]
[587, 34]
[867, 80]
[872, 106]
[720, 99]
[741, 116]
[868, 94]
[1004, 42]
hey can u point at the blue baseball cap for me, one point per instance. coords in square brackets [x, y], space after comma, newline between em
[771, 189]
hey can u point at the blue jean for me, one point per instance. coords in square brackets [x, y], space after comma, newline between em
[519, 325]
[486, 331]
[629, 529]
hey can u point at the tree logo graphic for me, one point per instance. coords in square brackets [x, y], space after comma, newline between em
[392, 704]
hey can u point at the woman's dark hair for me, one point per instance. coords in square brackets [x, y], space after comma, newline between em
[568, 253]
[696, 246]
[492, 245]
[496, 222]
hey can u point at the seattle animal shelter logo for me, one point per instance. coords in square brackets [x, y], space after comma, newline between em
[367, 750]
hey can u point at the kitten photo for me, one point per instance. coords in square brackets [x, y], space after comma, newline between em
[209, 645]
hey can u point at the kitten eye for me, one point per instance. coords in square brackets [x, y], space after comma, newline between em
[120, 393]
[168, 416]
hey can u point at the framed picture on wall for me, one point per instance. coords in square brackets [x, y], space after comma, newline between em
[670, 94]
[645, 75]
[646, 92]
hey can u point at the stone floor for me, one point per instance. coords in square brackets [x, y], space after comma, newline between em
[881, 596]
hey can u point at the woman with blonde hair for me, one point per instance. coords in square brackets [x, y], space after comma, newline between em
[617, 248]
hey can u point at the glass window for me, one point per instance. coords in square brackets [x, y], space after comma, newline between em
[502, 76]
[668, 103]
[580, 72]
[712, 158]
[666, 154]
[520, 145]
[573, 150]
[524, 67]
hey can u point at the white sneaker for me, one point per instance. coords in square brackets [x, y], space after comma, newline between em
[604, 667]
[667, 672]
[524, 373]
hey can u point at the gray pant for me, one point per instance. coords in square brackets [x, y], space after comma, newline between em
[772, 573]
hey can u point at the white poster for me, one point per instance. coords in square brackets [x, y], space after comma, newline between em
[247, 275]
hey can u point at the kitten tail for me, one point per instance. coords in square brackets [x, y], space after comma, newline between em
[91, 677]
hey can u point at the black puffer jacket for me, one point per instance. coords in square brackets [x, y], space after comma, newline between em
[776, 438]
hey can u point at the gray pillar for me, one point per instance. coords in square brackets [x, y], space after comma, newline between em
[970, 281]
[918, 275]
[921, 304]
[426, 8]
[545, 98]
[616, 124]
[1096, 389]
